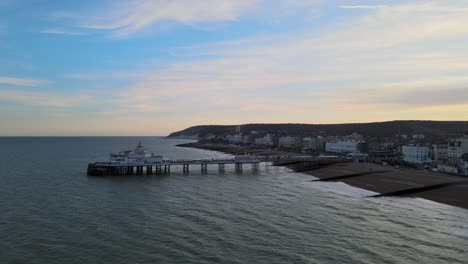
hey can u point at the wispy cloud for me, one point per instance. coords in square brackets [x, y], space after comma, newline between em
[361, 6]
[134, 16]
[326, 71]
[21, 81]
[125, 18]
[60, 31]
[368, 67]
[84, 77]
[48, 99]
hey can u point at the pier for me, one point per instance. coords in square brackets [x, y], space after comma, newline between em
[142, 161]
[164, 167]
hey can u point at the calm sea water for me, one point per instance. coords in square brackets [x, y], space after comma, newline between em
[51, 212]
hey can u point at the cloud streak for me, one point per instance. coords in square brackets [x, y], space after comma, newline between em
[59, 31]
[369, 62]
[21, 81]
[45, 99]
[369, 67]
[137, 15]
[361, 6]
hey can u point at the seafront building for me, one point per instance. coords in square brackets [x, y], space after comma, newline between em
[237, 138]
[345, 146]
[440, 153]
[416, 154]
[310, 143]
[454, 154]
[248, 139]
[449, 157]
[259, 141]
[465, 164]
[270, 140]
[290, 142]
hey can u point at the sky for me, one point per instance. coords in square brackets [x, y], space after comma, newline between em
[151, 67]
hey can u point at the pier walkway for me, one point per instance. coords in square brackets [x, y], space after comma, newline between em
[164, 167]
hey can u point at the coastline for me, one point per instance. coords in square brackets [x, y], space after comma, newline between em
[448, 189]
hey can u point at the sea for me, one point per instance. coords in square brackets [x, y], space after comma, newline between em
[52, 212]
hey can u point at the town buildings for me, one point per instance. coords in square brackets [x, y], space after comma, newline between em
[465, 164]
[270, 140]
[449, 157]
[418, 136]
[416, 154]
[248, 139]
[259, 141]
[310, 143]
[237, 138]
[345, 146]
[440, 153]
[313, 143]
[290, 142]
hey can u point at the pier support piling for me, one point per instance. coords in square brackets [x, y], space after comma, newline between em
[204, 167]
[238, 167]
[221, 167]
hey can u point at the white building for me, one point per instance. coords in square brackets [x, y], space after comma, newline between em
[259, 141]
[463, 142]
[234, 138]
[310, 143]
[139, 155]
[449, 157]
[454, 155]
[344, 146]
[440, 154]
[313, 143]
[248, 139]
[418, 136]
[465, 164]
[416, 154]
[290, 142]
[270, 140]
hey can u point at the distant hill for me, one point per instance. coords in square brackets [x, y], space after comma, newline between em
[431, 129]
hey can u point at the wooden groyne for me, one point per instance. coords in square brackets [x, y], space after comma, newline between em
[413, 191]
[347, 176]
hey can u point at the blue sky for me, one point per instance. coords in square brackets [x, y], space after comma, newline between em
[146, 67]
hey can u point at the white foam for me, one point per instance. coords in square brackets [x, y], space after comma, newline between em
[341, 188]
[461, 232]
[417, 204]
